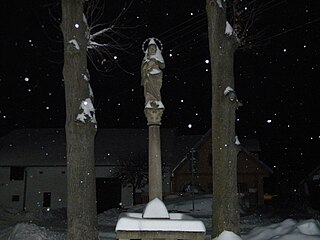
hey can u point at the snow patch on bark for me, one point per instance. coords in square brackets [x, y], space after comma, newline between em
[75, 44]
[229, 29]
[228, 90]
[88, 111]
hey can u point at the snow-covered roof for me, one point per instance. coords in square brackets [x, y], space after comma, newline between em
[47, 146]
[248, 145]
[251, 144]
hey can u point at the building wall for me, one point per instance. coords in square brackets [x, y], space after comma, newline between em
[46, 184]
[46, 188]
[11, 191]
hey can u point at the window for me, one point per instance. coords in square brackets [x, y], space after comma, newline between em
[15, 198]
[16, 173]
[46, 199]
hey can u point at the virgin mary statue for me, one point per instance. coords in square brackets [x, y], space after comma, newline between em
[151, 74]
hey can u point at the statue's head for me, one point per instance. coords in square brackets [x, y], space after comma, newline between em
[152, 49]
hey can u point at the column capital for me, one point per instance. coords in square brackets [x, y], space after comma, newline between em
[153, 115]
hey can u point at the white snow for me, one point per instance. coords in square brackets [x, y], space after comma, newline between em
[155, 217]
[157, 104]
[229, 29]
[155, 209]
[87, 111]
[219, 3]
[85, 77]
[289, 229]
[155, 71]
[177, 222]
[16, 225]
[226, 235]
[26, 231]
[228, 90]
[75, 44]
[90, 91]
[237, 142]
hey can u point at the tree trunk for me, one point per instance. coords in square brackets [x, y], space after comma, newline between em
[80, 134]
[225, 214]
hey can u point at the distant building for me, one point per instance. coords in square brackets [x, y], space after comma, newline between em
[251, 170]
[33, 166]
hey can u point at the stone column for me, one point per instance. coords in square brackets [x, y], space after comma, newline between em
[154, 115]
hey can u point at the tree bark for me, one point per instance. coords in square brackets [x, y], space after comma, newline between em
[81, 206]
[225, 214]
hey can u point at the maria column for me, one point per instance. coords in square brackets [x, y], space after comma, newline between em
[151, 80]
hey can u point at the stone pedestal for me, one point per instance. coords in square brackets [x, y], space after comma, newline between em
[154, 115]
[157, 223]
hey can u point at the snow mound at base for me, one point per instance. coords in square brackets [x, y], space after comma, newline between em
[25, 231]
[289, 229]
[226, 235]
[109, 217]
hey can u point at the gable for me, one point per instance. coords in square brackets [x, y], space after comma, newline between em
[248, 164]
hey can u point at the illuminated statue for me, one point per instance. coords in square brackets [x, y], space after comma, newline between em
[151, 74]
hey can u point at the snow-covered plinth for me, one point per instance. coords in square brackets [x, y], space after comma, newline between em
[177, 222]
[156, 218]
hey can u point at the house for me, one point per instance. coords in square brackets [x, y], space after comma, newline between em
[33, 166]
[251, 170]
[310, 188]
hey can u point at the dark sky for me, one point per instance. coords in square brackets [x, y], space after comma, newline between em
[277, 80]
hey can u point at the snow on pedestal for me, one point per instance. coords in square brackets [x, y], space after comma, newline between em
[155, 209]
[155, 218]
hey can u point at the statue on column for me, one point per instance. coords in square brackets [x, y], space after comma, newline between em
[151, 73]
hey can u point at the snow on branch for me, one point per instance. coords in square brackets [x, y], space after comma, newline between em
[236, 141]
[100, 33]
[75, 44]
[229, 30]
[228, 90]
[220, 3]
[92, 44]
[232, 95]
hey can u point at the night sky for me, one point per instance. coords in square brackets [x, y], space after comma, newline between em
[276, 79]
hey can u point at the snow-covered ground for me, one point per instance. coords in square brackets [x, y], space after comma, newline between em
[51, 225]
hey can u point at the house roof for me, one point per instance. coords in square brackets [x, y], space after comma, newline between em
[184, 145]
[47, 146]
[251, 144]
[247, 145]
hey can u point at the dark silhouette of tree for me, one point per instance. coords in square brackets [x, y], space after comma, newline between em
[229, 28]
[222, 44]
[81, 40]
[133, 170]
